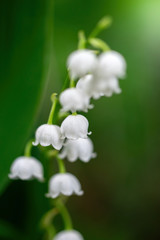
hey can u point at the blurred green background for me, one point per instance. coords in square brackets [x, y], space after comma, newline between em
[122, 193]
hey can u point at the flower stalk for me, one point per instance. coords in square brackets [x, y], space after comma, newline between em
[53, 108]
[61, 165]
[91, 73]
[28, 148]
[64, 213]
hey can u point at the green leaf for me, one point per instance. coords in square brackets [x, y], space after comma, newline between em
[9, 232]
[26, 51]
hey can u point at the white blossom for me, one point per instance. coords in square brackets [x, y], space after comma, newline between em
[78, 149]
[73, 100]
[47, 135]
[111, 64]
[81, 62]
[89, 85]
[86, 84]
[65, 184]
[26, 168]
[75, 126]
[106, 87]
[68, 235]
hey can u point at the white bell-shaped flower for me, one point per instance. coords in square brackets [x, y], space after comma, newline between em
[78, 149]
[75, 126]
[106, 87]
[73, 100]
[68, 235]
[26, 168]
[111, 64]
[81, 62]
[65, 184]
[47, 135]
[86, 84]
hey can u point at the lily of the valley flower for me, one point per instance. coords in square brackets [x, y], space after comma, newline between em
[111, 64]
[47, 135]
[81, 62]
[78, 149]
[75, 126]
[65, 184]
[86, 85]
[106, 87]
[68, 235]
[73, 100]
[26, 168]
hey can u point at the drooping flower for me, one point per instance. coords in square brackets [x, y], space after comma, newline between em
[78, 149]
[81, 62]
[47, 135]
[111, 64]
[65, 184]
[89, 85]
[68, 235]
[73, 100]
[26, 168]
[86, 84]
[106, 87]
[75, 126]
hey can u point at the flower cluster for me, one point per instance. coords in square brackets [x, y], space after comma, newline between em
[91, 75]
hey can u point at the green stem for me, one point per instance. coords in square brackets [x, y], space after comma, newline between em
[82, 40]
[98, 43]
[61, 165]
[74, 114]
[28, 148]
[54, 103]
[72, 83]
[65, 214]
[46, 223]
[104, 23]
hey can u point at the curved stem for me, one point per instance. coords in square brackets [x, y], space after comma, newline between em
[72, 83]
[65, 214]
[28, 148]
[46, 223]
[54, 100]
[104, 23]
[98, 43]
[61, 165]
[82, 40]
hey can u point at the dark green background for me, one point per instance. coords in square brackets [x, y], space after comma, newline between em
[122, 193]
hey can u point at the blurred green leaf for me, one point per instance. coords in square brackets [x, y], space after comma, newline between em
[26, 51]
[7, 231]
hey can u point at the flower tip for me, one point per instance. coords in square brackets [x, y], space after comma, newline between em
[91, 106]
[53, 96]
[10, 176]
[41, 179]
[94, 155]
[80, 193]
[47, 195]
[35, 143]
[105, 22]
